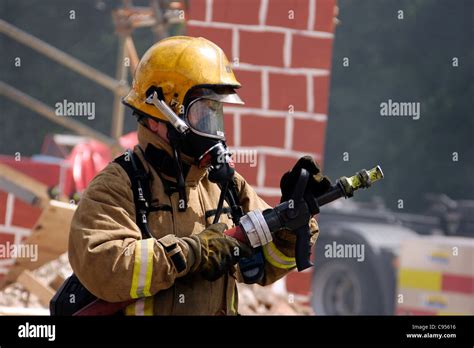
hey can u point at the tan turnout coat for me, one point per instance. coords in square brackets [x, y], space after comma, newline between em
[110, 258]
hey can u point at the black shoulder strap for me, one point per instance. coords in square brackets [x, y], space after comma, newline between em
[233, 201]
[133, 166]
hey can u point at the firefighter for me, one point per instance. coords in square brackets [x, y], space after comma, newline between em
[188, 267]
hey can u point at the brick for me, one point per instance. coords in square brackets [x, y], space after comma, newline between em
[24, 215]
[285, 90]
[221, 37]
[270, 200]
[279, 14]
[308, 136]
[321, 94]
[236, 11]
[311, 52]
[299, 283]
[263, 131]
[324, 18]
[196, 10]
[251, 90]
[6, 238]
[249, 173]
[261, 48]
[229, 128]
[275, 167]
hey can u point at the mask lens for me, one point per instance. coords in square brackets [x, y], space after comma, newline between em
[207, 116]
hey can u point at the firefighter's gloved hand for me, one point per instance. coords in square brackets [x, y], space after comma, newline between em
[218, 252]
[318, 184]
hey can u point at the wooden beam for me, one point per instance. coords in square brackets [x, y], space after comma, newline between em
[36, 287]
[50, 235]
[48, 112]
[23, 186]
[57, 282]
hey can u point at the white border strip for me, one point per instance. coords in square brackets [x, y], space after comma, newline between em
[275, 151]
[261, 170]
[259, 28]
[287, 46]
[288, 71]
[5, 270]
[289, 126]
[309, 93]
[237, 131]
[262, 13]
[311, 14]
[235, 46]
[9, 209]
[16, 230]
[276, 113]
[265, 90]
[268, 191]
[208, 17]
[7, 263]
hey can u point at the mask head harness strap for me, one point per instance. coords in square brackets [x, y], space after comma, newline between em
[177, 130]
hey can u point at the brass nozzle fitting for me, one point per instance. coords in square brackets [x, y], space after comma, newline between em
[362, 179]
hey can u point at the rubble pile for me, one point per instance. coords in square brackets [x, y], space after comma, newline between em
[253, 299]
[15, 294]
[257, 300]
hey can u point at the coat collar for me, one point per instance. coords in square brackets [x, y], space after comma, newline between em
[148, 138]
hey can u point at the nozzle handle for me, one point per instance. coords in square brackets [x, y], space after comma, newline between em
[303, 248]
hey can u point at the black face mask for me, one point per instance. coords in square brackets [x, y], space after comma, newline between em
[209, 153]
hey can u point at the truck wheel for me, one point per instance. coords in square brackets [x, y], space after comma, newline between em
[345, 287]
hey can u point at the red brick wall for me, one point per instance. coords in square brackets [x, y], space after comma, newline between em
[281, 53]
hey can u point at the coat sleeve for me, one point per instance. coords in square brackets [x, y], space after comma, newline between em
[106, 250]
[279, 254]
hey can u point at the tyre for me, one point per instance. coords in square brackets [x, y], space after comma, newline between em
[345, 287]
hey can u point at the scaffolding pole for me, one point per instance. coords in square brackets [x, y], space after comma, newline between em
[62, 58]
[49, 113]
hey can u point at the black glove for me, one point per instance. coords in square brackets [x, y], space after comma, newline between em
[317, 183]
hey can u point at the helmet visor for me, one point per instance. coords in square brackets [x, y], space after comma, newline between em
[206, 117]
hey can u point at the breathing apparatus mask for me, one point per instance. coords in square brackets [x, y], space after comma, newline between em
[199, 132]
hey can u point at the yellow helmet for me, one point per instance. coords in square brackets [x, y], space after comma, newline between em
[177, 65]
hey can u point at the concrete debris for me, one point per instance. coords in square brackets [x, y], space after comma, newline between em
[16, 296]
